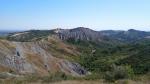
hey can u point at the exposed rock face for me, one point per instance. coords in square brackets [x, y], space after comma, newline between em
[35, 57]
[79, 33]
[72, 67]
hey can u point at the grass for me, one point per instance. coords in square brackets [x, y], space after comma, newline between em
[61, 78]
[15, 81]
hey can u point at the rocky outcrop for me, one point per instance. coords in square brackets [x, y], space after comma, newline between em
[79, 33]
[74, 68]
[36, 57]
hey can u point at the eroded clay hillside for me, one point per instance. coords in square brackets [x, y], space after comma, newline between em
[40, 57]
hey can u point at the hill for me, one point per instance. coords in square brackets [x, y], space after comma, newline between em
[78, 52]
[41, 57]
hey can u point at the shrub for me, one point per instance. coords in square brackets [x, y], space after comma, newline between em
[118, 72]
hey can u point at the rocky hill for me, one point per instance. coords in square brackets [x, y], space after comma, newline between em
[39, 57]
[80, 33]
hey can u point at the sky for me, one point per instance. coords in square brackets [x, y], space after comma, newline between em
[94, 14]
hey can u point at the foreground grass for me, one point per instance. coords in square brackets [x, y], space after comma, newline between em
[48, 80]
[76, 82]
[100, 82]
[61, 78]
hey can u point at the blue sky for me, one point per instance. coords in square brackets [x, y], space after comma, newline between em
[94, 14]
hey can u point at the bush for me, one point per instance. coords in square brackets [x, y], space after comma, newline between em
[119, 72]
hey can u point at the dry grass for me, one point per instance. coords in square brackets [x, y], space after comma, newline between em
[61, 49]
[78, 82]
[4, 69]
[100, 82]
[38, 63]
[36, 80]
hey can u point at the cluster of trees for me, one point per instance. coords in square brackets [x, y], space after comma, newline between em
[115, 61]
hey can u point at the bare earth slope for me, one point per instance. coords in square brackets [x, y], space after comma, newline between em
[39, 57]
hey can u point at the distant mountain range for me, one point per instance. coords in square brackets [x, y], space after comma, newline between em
[6, 32]
[82, 33]
[130, 35]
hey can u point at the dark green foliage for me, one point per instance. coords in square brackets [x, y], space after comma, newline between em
[118, 72]
[140, 61]
[136, 55]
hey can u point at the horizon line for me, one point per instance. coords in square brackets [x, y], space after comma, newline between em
[3, 30]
